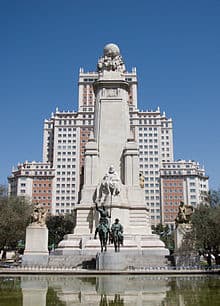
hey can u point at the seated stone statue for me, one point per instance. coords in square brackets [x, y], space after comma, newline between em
[184, 214]
[110, 185]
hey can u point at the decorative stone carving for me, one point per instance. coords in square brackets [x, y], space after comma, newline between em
[184, 214]
[39, 215]
[112, 92]
[111, 60]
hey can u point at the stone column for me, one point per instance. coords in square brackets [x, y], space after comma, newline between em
[131, 163]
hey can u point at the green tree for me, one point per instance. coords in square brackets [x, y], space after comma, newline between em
[59, 226]
[14, 217]
[205, 230]
[165, 235]
[214, 196]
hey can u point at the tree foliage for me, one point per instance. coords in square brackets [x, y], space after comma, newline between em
[165, 235]
[14, 217]
[214, 197]
[59, 226]
[205, 229]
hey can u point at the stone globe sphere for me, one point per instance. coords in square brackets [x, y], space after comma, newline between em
[111, 50]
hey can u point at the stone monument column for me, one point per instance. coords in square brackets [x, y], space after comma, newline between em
[112, 127]
[111, 177]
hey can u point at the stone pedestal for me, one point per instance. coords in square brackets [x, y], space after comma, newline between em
[130, 258]
[184, 257]
[36, 246]
[179, 234]
[34, 291]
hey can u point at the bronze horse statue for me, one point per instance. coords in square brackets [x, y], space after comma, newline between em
[103, 231]
[116, 238]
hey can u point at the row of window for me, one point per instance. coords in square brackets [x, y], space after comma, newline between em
[148, 135]
[152, 198]
[67, 129]
[67, 135]
[151, 172]
[151, 185]
[65, 204]
[152, 191]
[149, 152]
[62, 211]
[148, 147]
[149, 166]
[65, 198]
[42, 191]
[155, 217]
[40, 197]
[146, 159]
[68, 179]
[173, 190]
[147, 129]
[66, 153]
[66, 159]
[65, 122]
[152, 210]
[42, 185]
[66, 147]
[66, 166]
[65, 141]
[171, 203]
[39, 173]
[65, 185]
[180, 197]
[64, 191]
[173, 184]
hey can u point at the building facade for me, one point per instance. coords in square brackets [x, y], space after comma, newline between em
[181, 181]
[34, 180]
[67, 132]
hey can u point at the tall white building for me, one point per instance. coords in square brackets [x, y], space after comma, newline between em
[67, 132]
[181, 181]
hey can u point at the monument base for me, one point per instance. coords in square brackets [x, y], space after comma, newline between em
[36, 246]
[130, 259]
[137, 252]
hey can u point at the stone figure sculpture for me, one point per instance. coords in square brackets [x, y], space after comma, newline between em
[111, 60]
[141, 180]
[184, 214]
[39, 215]
[110, 185]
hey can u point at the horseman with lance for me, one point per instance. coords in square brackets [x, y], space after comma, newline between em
[104, 218]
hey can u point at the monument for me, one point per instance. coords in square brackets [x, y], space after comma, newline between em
[183, 255]
[36, 242]
[112, 180]
[183, 223]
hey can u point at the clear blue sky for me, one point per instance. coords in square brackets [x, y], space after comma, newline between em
[175, 46]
